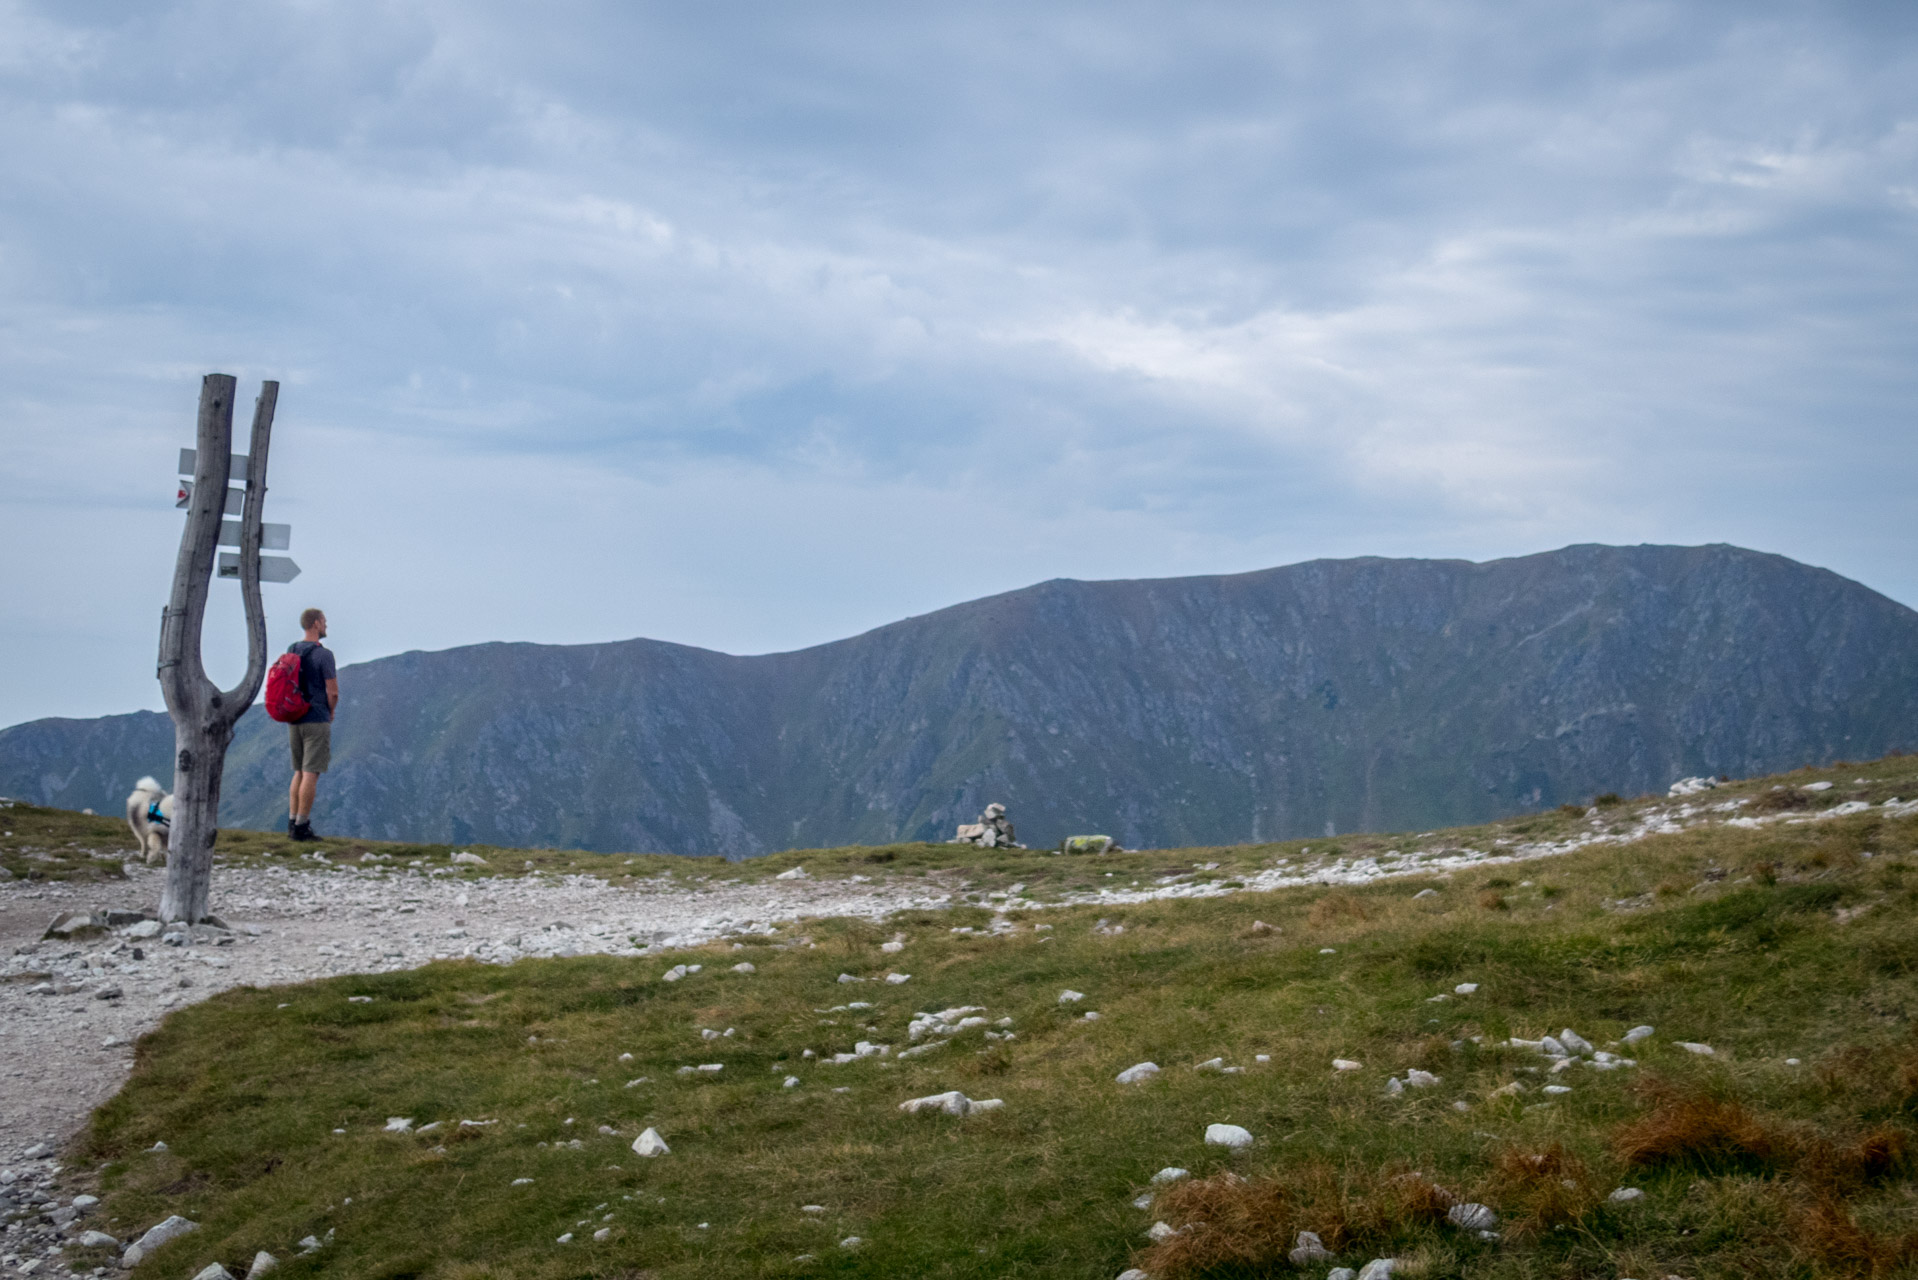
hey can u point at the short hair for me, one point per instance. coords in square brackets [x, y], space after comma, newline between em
[310, 616]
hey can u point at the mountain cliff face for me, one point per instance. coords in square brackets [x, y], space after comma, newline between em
[1328, 696]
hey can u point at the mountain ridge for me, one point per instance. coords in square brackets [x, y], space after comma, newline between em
[1369, 693]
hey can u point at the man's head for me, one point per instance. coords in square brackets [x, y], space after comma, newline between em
[313, 622]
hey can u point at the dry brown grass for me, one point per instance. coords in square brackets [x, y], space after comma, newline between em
[1695, 1130]
[1824, 1232]
[1780, 800]
[1233, 1222]
[1336, 909]
[1538, 1190]
[1493, 900]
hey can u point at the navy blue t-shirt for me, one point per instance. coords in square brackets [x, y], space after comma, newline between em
[316, 668]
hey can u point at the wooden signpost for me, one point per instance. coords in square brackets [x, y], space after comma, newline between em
[203, 714]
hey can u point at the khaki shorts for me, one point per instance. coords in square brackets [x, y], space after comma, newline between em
[312, 746]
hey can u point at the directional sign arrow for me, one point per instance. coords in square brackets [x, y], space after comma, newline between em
[273, 537]
[272, 568]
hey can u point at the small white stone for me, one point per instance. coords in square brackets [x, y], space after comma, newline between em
[1625, 1195]
[1143, 1201]
[1639, 1033]
[896, 978]
[1138, 1073]
[1557, 1088]
[674, 974]
[263, 1262]
[744, 966]
[1472, 1217]
[1308, 1249]
[1261, 1057]
[1171, 1173]
[1227, 1135]
[1574, 1041]
[952, 1103]
[795, 873]
[1133, 1273]
[650, 1144]
[1420, 1079]
[1159, 1231]
[1378, 1269]
[1465, 988]
[812, 1208]
[851, 1242]
[1692, 1046]
[792, 1082]
[1425, 893]
[1328, 951]
[522, 1182]
[1070, 996]
[398, 1124]
[1346, 1064]
[1393, 1088]
[565, 1239]
[1211, 1064]
[1791, 1062]
[213, 1271]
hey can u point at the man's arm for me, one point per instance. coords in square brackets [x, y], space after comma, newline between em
[332, 695]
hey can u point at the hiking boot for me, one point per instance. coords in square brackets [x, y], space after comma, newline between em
[292, 829]
[303, 831]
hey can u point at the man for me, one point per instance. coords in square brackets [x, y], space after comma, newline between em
[312, 733]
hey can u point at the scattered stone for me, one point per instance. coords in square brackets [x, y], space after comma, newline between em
[1575, 1042]
[1552, 1047]
[744, 966]
[565, 1239]
[793, 873]
[1420, 1079]
[518, 1182]
[313, 1244]
[263, 1262]
[1425, 893]
[1558, 1088]
[1260, 926]
[952, 1103]
[1378, 1269]
[1341, 1273]
[674, 974]
[213, 1271]
[893, 947]
[1626, 1195]
[850, 1242]
[145, 929]
[398, 1124]
[108, 992]
[97, 1240]
[1309, 1249]
[1138, 1073]
[650, 1144]
[1159, 1231]
[1702, 1050]
[1393, 1088]
[896, 978]
[466, 859]
[170, 1229]
[1465, 988]
[1133, 1273]
[1346, 1064]
[1171, 1173]
[1227, 1135]
[1472, 1217]
[1069, 996]
[1211, 1064]
[1639, 1033]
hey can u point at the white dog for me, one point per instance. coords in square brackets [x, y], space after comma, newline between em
[150, 814]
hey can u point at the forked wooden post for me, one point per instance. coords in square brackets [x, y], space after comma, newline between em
[203, 715]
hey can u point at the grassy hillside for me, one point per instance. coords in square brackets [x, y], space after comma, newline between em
[1788, 947]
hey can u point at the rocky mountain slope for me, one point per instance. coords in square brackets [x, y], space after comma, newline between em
[1328, 696]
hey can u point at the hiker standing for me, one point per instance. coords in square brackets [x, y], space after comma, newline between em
[311, 735]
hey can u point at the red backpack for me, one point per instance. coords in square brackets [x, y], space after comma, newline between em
[284, 700]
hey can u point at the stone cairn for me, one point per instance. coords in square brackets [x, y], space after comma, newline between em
[992, 831]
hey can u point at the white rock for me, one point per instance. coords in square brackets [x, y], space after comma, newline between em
[792, 1082]
[1817, 786]
[263, 1262]
[1341, 1273]
[952, 1103]
[1308, 1249]
[565, 1239]
[1420, 1079]
[1346, 1064]
[1557, 1088]
[398, 1124]
[1211, 1064]
[144, 929]
[1171, 1173]
[213, 1271]
[603, 1233]
[1159, 1231]
[988, 1104]
[674, 974]
[1261, 1057]
[1465, 988]
[1472, 1217]
[1070, 996]
[1143, 1201]
[896, 978]
[466, 859]
[851, 1242]
[1625, 1195]
[1378, 1269]
[97, 1240]
[313, 1244]
[1692, 1046]
[1227, 1135]
[744, 966]
[893, 947]
[1425, 893]
[1574, 1041]
[1639, 1033]
[1138, 1073]
[1092, 1015]
[650, 1144]
[1133, 1273]
[1393, 1087]
[795, 873]
[812, 1208]
[170, 1229]
[847, 977]
[1552, 1047]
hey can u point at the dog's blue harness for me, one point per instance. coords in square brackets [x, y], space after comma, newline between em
[154, 815]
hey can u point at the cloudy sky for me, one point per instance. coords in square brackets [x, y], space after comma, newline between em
[753, 326]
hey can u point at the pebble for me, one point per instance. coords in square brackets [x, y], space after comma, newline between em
[1639, 1033]
[1171, 1173]
[1159, 1231]
[1702, 1050]
[650, 1144]
[744, 966]
[263, 1262]
[1341, 1273]
[1626, 1195]
[1138, 1073]
[603, 1233]
[1557, 1088]
[1465, 988]
[1308, 1249]
[896, 978]
[1227, 1135]
[97, 1240]
[1378, 1269]
[1420, 1079]
[1575, 1042]
[1346, 1064]
[1070, 996]
[1472, 1217]
[1425, 893]
[1133, 1273]
[952, 1103]
[213, 1271]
